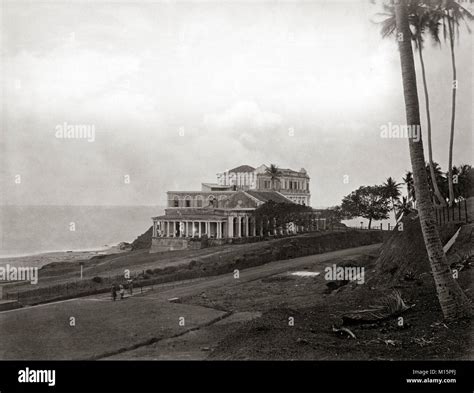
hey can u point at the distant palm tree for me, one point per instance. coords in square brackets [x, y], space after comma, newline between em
[274, 172]
[463, 181]
[422, 19]
[440, 180]
[453, 14]
[391, 190]
[453, 301]
[403, 208]
[408, 179]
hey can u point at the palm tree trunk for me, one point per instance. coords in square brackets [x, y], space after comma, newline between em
[453, 114]
[437, 193]
[453, 301]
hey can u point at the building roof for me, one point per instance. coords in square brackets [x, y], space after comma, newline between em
[242, 168]
[215, 185]
[265, 196]
[191, 217]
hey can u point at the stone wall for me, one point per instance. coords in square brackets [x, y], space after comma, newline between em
[172, 244]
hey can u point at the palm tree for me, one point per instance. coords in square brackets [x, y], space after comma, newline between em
[440, 180]
[453, 13]
[422, 19]
[391, 190]
[453, 301]
[408, 179]
[403, 208]
[274, 174]
[463, 185]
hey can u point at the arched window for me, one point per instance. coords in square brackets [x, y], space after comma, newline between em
[212, 200]
[187, 201]
[176, 201]
[199, 201]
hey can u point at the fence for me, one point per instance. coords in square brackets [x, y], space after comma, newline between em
[379, 227]
[462, 211]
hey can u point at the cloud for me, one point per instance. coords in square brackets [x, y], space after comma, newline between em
[246, 122]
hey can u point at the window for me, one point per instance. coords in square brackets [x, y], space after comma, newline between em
[187, 201]
[212, 200]
[199, 201]
[176, 201]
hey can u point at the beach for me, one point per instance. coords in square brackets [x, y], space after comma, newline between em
[41, 259]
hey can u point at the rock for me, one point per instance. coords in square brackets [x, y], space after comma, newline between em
[124, 246]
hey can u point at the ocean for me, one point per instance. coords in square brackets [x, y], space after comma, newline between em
[27, 230]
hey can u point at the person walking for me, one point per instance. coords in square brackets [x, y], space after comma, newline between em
[130, 286]
[122, 291]
[114, 292]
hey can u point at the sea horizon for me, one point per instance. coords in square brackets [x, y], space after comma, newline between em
[27, 230]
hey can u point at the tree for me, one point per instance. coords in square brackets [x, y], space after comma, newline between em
[422, 19]
[391, 190]
[452, 299]
[463, 181]
[440, 180]
[274, 173]
[333, 216]
[408, 179]
[453, 13]
[403, 207]
[369, 202]
[276, 215]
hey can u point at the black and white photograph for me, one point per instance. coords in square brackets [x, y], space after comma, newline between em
[281, 189]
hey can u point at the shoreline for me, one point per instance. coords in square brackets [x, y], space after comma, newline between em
[43, 258]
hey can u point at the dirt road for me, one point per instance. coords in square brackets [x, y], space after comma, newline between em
[102, 328]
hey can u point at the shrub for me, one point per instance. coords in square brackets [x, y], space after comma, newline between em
[97, 280]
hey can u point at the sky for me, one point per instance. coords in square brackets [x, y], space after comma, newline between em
[179, 91]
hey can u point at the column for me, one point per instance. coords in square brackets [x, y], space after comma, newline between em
[247, 226]
[239, 226]
[199, 229]
[230, 225]
[219, 229]
[207, 229]
[254, 229]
